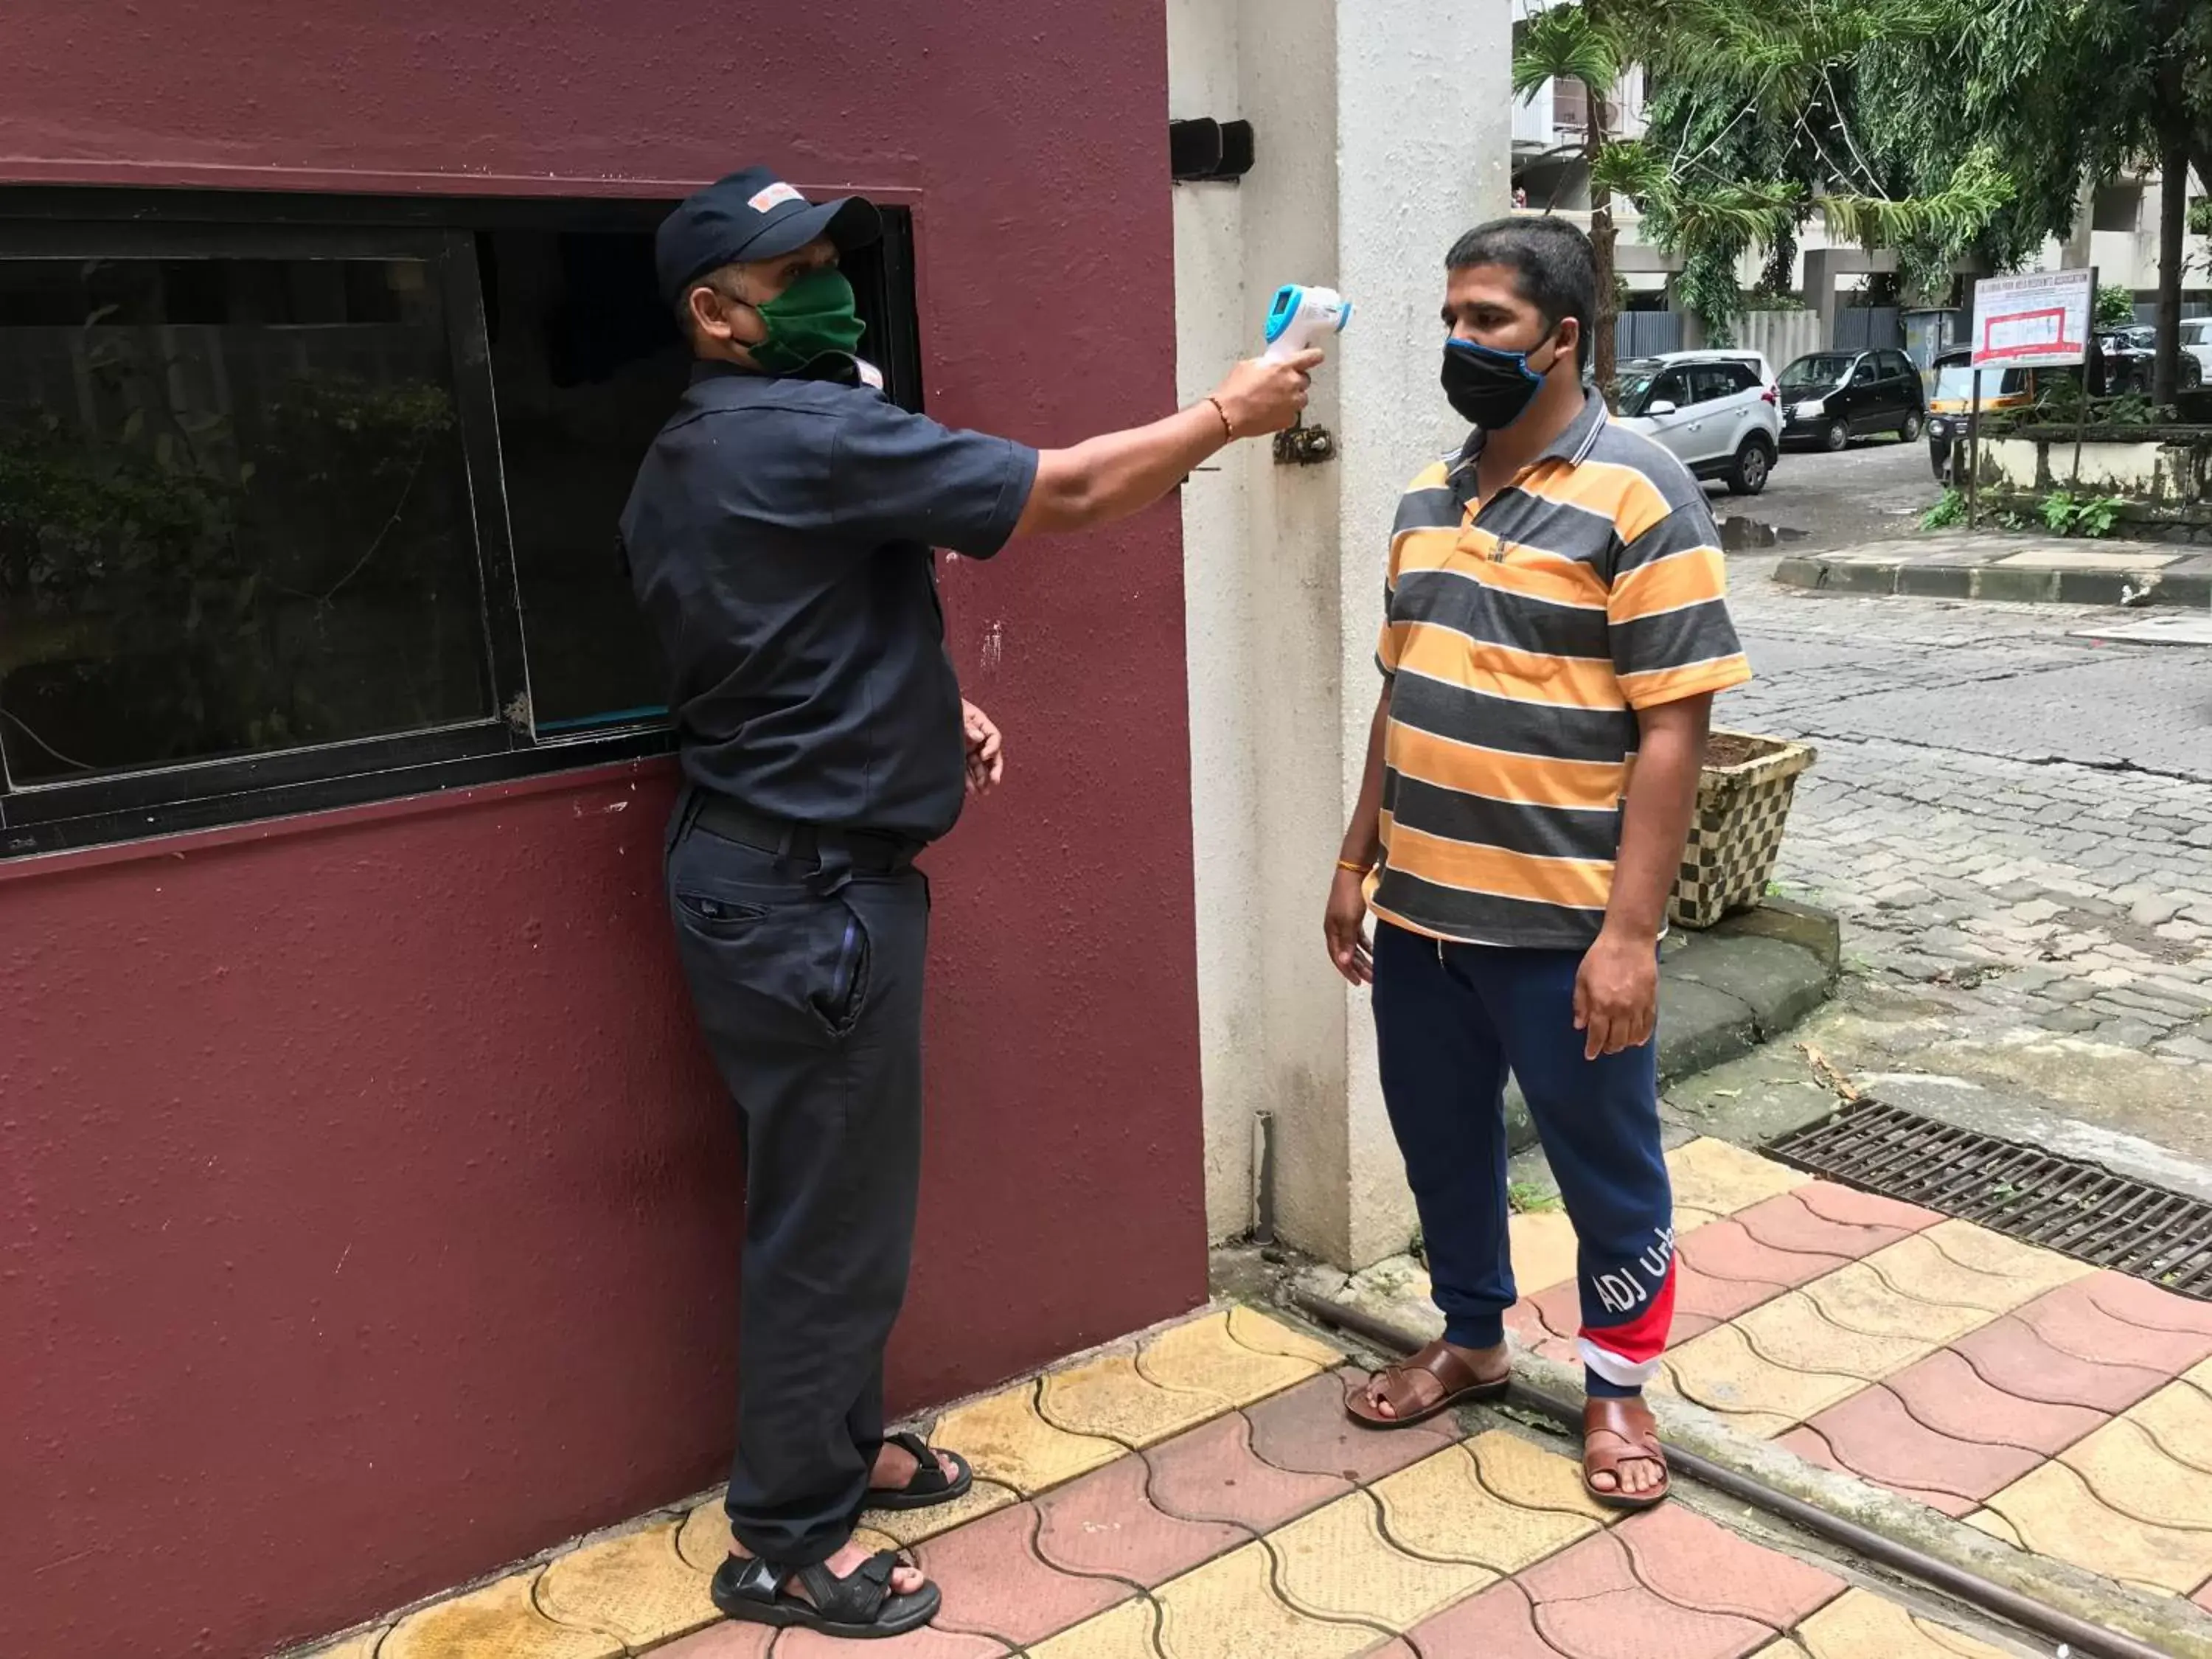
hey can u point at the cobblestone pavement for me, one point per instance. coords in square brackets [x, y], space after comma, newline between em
[1197, 1494]
[2015, 825]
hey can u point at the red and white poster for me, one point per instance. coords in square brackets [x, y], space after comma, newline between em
[2034, 321]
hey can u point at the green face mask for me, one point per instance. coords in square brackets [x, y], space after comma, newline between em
[815, 315]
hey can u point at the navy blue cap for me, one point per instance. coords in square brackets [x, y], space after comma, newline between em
[752, 214]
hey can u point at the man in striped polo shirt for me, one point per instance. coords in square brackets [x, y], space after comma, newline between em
[1556, 632]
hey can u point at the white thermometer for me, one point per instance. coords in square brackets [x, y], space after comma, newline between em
[1303, 318]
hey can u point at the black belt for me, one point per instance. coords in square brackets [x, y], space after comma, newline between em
[869, 850]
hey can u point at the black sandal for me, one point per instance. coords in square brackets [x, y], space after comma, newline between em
[860, 1608]
[929, 1485]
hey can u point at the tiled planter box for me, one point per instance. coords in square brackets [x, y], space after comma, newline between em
[1736, 834]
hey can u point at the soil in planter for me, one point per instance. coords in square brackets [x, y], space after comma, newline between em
[1724, 749]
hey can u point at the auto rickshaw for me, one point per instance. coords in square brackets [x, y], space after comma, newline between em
[1950, 399]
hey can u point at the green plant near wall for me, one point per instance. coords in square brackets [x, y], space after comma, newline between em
[1950, 508]
[2081, 515]
[2115, 305]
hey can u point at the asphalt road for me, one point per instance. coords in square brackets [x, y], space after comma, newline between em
[1875, 489]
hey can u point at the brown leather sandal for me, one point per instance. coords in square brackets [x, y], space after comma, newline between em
[1458, 1379]
[1618, 1431]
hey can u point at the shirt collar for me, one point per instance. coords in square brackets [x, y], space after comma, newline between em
[1572, 445]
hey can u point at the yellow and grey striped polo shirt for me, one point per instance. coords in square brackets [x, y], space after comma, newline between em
[1521, 640]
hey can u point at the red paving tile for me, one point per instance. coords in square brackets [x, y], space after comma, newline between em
[1852, 1207]
[927, 1643]
[1872, 1435]
[2070, 1319]
[2203, 1597]
[1590, 1605]
[1682, 1556]
[1102, 1525]
[1808, 1445]
[1700, 1295]
[1946, 1394]
[996, 1585]
[1304, 1430]
[1397, 1650]
[1529, 1320]
[1786, 1223]
[2126, 1297]
[2009, 1354]
[1495, 1625]
[1724, 1250]
[1210, 1473]
[722, 1641]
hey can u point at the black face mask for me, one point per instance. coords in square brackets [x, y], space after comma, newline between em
[1489, 387]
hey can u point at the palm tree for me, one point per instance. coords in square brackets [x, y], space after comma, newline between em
[1571, 43]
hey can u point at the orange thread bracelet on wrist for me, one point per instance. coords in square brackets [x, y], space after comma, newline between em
[1350, 868]
[1228, 426]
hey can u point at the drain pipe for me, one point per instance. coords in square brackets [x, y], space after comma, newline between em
[2084, 1638]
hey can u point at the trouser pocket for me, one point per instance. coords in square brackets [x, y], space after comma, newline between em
[760, 948]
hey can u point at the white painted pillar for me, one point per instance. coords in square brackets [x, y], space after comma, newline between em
[1384, 129]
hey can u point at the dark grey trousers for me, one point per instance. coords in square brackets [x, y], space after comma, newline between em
[807, 976]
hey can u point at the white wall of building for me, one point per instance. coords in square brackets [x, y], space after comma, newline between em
[1383, 129]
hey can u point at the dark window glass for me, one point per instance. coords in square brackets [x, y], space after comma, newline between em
[1673, 388]
[235, 510]
[587, 365]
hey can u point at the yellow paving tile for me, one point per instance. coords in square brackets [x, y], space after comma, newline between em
[2179, 1417]
[362, 1646]
[1228, 1609]
[635, 1587]
[1525, 1474]
[1863, 1297]
[1121, 1633]
[1264, 1335]
[1543, 1246]
[1002, 1436]
[2028, 1269]
[1791, 1330]
[2052, 1512]
[1917, 1266]
[2201, 1375]
[1714, 1179]
[1202, 1357]
[1784, 1648]
[1860, 1624]
[911, 1526]
[1336, 1562]
[496, 1622]
[1721, 1372]
[1439, 1507]
[704, 1538]
[1997, 1526]
[1110, 1399]
[2128, 1470]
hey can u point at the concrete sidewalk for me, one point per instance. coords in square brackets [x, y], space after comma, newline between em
[1990, 565]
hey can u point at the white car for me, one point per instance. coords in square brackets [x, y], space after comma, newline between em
[1717, 411]
[2196, 341]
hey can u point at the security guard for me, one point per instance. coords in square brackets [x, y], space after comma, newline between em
[780, 538]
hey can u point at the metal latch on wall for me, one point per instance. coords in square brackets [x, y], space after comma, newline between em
[1300, 445]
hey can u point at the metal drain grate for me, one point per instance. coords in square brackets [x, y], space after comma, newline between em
[2078, 1209]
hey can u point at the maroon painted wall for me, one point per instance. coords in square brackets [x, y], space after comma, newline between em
[370, 1216]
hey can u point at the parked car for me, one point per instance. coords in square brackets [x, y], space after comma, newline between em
[2196, 340]
[1717, 411]
[2130, 361]
[1951, 397]
[1829, 398]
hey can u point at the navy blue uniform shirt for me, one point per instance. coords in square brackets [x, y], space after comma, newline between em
[779, 539]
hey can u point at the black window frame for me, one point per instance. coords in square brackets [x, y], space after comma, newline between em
[507, 745]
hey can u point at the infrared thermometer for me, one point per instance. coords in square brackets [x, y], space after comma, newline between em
[1303, 318]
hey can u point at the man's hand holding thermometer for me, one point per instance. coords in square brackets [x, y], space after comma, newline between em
[1268, 392]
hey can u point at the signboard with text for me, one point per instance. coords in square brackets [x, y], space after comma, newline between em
[2036, 321]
